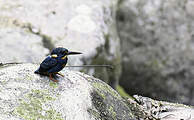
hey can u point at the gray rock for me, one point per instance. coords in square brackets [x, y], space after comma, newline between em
[87, 26]
[157, 47]
[26, 96]
[19, 45]
[161, 110]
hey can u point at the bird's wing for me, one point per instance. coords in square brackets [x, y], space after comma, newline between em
[48, 63]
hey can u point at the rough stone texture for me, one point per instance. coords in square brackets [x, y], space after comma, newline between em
[161, 110]
[157, 47]
[87, 26]
[28, 96]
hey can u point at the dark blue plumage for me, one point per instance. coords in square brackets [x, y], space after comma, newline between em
[55, 62]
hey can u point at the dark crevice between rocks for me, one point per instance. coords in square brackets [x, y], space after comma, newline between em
[99, 59]
[107, 44]
[46, 40]
[47, 43]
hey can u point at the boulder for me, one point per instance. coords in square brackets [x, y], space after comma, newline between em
[77, 96]
[157, 48]
[18, 44]
[162, 110]
[88, 26]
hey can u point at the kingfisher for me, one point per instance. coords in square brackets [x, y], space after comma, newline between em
[55, 62]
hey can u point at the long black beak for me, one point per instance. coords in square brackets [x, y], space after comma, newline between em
[73, 53]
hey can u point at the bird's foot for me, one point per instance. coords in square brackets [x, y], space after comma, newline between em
[51, 78]
[54, 80]
[60, 74]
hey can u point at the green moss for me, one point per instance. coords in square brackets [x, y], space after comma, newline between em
[53, 84]
[100, 106]
[112, 112]
[31, 107]
[82, 70]
[155, 64]
[28, 77]
[94, 112]
[105, 87]
[3, 82]
[101, 94]
[122, 92]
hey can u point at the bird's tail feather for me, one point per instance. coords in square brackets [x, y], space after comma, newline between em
[37, 71]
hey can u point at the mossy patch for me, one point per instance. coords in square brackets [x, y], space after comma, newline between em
[122, 92]
[104, 110]
[53, 84]
[104, 87]
[101, 110]
[34, 107]
[112, 112]
[28, 77]
[108, 104]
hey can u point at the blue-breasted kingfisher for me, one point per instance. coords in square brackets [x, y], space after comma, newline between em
[55, 62]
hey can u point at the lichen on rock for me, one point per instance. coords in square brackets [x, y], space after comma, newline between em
[28, 96]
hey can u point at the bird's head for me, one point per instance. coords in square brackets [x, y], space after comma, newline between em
[62, 52]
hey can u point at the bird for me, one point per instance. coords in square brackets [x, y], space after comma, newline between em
[55, 62]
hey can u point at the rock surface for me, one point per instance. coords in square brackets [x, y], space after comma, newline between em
[157, 47]
[28, 96]
[18, 44]
[29, 28]
[161, 110]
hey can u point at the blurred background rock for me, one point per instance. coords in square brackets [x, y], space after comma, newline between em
[157, 48]
[148, 42]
